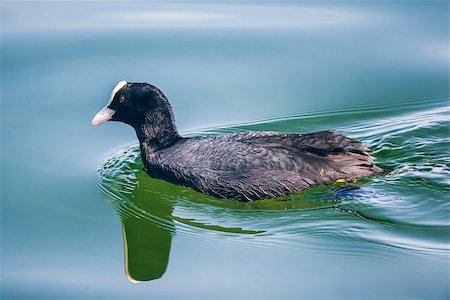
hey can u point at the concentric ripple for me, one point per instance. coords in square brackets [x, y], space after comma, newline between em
[406, 210]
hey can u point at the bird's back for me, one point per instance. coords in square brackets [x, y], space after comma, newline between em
[257, 165]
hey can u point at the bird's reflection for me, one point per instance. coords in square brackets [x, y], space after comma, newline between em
[146, 242]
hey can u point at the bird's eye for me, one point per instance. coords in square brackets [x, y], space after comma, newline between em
[122, 100]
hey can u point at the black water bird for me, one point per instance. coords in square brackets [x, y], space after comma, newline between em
[243, 166]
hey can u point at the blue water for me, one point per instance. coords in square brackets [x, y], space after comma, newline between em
[80, 219]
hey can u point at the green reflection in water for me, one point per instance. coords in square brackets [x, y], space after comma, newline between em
[146, 244]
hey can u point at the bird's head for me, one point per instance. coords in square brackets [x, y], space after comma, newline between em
[144, 107]
[131, 103]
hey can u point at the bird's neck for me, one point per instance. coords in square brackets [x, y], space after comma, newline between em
[156, 134]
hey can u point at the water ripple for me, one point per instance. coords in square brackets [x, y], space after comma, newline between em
[407, 210]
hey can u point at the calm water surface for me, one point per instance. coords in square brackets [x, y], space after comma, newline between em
[81, 219]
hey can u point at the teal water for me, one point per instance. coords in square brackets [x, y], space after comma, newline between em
[81, 219]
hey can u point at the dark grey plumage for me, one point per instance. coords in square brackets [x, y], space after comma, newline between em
[245, 166]
[258, 165]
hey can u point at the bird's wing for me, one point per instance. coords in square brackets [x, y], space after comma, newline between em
[328, 154]
[321, 142]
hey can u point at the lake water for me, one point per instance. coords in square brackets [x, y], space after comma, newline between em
[81, 219]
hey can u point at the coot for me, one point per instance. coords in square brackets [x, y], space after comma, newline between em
[244, 166]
